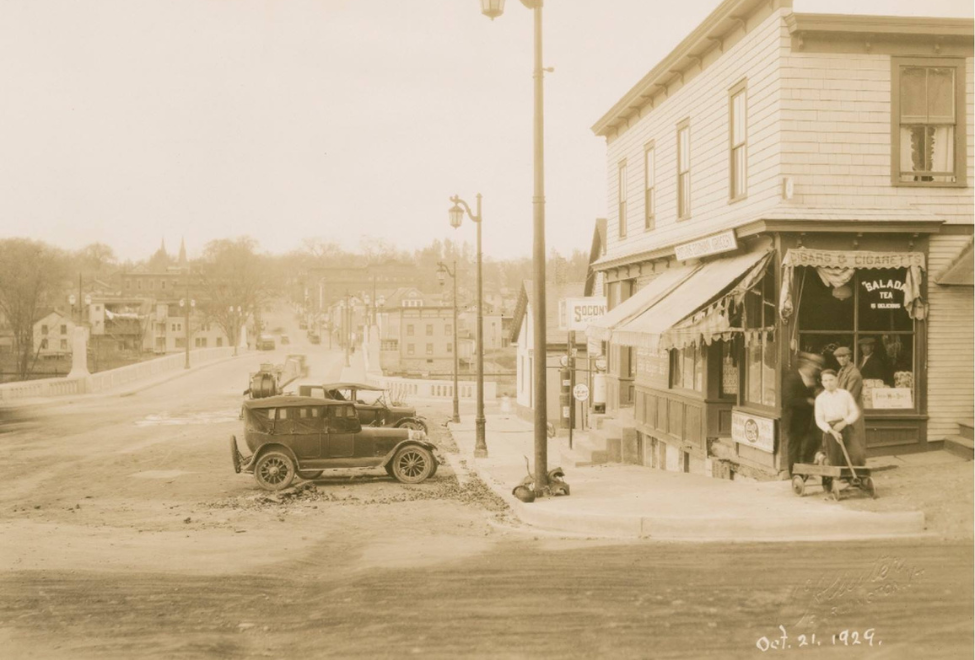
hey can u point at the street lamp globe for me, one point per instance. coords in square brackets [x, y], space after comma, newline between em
[492, 8]
[456, 215]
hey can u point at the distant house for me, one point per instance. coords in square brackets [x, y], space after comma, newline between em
[52, 335]
[522, 335]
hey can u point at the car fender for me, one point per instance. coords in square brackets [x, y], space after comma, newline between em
[426, 444]
[265, 448]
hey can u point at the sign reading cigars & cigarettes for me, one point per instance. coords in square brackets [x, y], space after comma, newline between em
[752, 430]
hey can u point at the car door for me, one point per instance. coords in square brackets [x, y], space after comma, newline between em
[307, 428]
[340, 423]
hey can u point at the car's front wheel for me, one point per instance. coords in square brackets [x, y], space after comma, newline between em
[413, 464]
[274, 470]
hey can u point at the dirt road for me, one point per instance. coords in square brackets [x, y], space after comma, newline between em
[126, 534]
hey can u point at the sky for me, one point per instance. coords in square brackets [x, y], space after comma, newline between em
[134, 121]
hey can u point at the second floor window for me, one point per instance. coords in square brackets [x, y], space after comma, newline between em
[429, 329]
[649, 176]
[429, 349]
[683, 171]
[928, 146]
[622, 199]
[409, 330]
[738, 137]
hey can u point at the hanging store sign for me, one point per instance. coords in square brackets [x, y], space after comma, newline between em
[752, 430]
[703, 247]
[578, 313]
[852, 259]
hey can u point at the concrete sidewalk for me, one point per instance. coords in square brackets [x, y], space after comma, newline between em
[633, 501]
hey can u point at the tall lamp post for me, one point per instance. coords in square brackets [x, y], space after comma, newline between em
[457, 212]
[492, 9]
[187, 303]
[442, 273]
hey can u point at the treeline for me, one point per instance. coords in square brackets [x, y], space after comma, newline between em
[231, 274]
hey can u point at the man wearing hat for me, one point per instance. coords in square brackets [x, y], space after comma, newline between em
[872, 366]
[798, 400]
[849, 378]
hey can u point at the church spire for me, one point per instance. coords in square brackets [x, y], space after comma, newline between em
[182, 252]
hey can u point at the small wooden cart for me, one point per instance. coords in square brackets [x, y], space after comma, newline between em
[830, 474]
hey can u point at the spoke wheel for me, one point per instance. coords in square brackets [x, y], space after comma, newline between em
[415, 425]
[413, 464]
[274, 471]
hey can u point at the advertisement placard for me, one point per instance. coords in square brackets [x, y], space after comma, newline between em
[752, 430]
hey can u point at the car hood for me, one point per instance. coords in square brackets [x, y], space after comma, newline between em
[394, 433]
[403, 411]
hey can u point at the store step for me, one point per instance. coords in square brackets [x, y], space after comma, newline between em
[960, 446]
[966, 428]
[580, 456]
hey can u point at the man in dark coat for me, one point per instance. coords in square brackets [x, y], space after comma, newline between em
[872, 365]
[798, 401]
[849, 379]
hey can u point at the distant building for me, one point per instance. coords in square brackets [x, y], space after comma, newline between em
[52, 335]
[522, 335]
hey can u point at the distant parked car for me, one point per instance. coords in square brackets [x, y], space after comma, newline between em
[265, 343]
[371, 404]
[291, 436]
[314, 338]
[285, 339]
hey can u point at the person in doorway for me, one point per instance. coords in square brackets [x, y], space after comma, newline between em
[836, 413]
[848, 378]
[872, 365]
[798, 400]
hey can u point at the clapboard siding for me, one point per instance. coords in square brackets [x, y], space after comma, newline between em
[704, 101]
[951, 346]
[836, 136]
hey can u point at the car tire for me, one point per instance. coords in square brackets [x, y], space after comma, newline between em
[413, 464]
[414, 424]
[274, 470]
[309, 475]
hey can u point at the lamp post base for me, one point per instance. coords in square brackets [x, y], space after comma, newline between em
[480, 445]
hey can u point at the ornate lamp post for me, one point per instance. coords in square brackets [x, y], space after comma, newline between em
[442, 273]
[457, 212]
[492, 9]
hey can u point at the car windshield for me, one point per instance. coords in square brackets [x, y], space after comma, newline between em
[370, 397]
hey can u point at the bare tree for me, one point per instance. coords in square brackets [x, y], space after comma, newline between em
[232, 275]
[31, 275]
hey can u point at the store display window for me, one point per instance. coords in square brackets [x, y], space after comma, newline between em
[867, 315]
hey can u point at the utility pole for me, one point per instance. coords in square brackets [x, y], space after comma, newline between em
[186, 317]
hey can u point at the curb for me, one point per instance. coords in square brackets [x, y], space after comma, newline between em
[848, 525]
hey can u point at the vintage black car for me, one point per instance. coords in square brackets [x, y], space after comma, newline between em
[301, 436]
[371, 404]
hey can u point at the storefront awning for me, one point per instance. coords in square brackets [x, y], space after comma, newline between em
[602, 328]
[652, 328]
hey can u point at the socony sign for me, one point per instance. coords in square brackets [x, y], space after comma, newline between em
[578, 313]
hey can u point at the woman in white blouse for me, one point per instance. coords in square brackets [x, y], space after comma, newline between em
[836, 412]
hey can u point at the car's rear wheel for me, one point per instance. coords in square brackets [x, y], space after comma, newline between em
[274, 470]
[309, 475]
[413, 464]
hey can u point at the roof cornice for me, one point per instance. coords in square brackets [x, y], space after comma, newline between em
[729, 15]
[889, 25]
